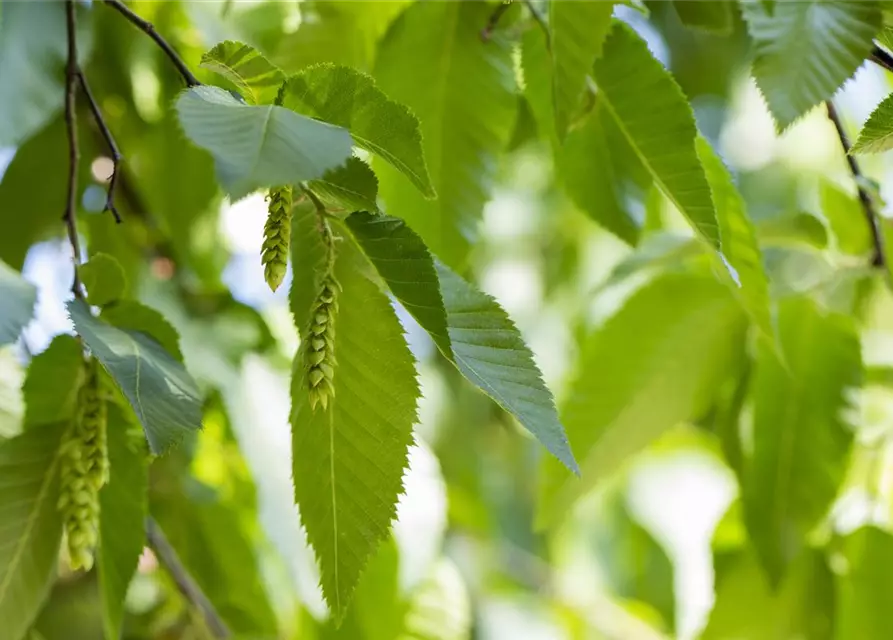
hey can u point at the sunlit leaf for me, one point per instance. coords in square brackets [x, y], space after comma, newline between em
[876, 135]
[134, 316]
[52, 382]
[256, 77]
[865, 590]
[352, 187]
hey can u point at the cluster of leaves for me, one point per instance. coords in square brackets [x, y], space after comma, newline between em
[390, 172]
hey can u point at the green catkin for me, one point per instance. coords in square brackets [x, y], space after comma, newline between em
[320, 350]
[277, 234]
[84, 470]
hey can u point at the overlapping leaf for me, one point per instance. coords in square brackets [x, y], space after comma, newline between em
[577, 31]
[349, 458]
[104, 279]
[18, 299]
[463, 92]
[713, 17]
[656, 362]
[259, 146]
[257, 78]
[800, 440]
[347, 98]
[163, 395]
[877, 133]
[32, 525]
[651, 110]
[352, 187]
[51, 386]
[134, 316]
[804, 51]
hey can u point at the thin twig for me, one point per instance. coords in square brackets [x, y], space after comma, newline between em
[110, 141]
[493, 22]
[878, 258]
[880, 57]
[149, 29]
[71, 124]
[168, 557]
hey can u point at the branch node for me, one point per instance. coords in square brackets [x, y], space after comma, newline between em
[117, 158]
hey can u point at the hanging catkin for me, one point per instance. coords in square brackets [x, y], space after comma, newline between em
[84, 469]
[277, 235]
[320, 350]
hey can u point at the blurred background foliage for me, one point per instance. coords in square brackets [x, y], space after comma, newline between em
[658, 547]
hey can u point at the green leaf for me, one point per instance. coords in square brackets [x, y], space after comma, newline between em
[804, 51]
[347, 98]
[161, 392]
[713, 17]
[846, 217]
[104, 279]
[577, 31]
[32, 56]
[406, 265]
[349, 458]
[32, 525]
[52, 383]
[19, 297]
[440, 608]
[489, 351]
[257, 78]
[134, 316]
[738, 240]
[800, 440]
[308, 256]
[654, 115]
[463, 92]
[747, 607]
[123, 508]
[876, 135]
[658, 361]
[865, 594]
[259, 146]
[352, 187]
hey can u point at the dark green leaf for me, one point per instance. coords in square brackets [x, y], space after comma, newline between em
[800, 439]
[352, 187]
[51, 386]
[256, 77]
[713, 17]
[259, 146]
[349, 99]
[104, 279]
[161, 392]
[18, 299]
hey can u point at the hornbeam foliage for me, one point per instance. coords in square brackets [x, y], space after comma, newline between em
[531, 289]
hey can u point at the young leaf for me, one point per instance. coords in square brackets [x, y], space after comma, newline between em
[577, 32]
[259, 146]
[406, 265]
[800, 440]
[654, 115]
[349, 457]
[32, 525]
[104, 279]
[134, 316]
[805, 50]
[347, 98]
[19, 297]
[877, 132]
[463, 92]
[51, 386]
[257, 78]
[163, 395]
[738, 239]
[352, 187]
[656, 362]
[489, 351]
[122, 517]
[865, 592]
[713, 17]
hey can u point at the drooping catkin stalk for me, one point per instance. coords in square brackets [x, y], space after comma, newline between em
[320, 350]
[277, 235]
[84, 470]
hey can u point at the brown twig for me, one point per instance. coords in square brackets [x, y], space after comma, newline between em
[169, 559]
[878, 259]
[117, 158]
[149, 29]
[72, 75]
[880, 57]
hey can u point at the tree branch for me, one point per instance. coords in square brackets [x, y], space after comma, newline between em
[878, 259]
[487, 32]
[880, 57]
[149, 29]
[168, 557]
[72, 75]
[110, 141]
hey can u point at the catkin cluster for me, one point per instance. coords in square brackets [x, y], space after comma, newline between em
[320, 351]
[277, 233]
[84, 469]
